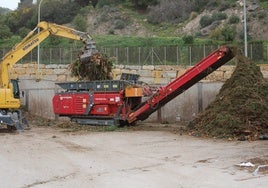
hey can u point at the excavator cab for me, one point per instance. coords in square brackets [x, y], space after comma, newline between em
[16, 90]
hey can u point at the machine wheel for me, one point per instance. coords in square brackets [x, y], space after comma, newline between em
[21, 123]
[11, 128]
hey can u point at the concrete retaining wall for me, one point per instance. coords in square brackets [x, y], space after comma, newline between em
[38, 89]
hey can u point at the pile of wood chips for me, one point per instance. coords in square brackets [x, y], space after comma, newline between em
[240, 110]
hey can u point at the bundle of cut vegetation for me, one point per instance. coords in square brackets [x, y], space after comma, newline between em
[240, 110]
[97, 67]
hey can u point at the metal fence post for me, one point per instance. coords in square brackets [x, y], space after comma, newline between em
[177, 54]
[60, 55]
[204, 50]
[50, 55]
[190, 55]
[251, 51]
[116, 55]
[165, 55]
[266, 52]
[139, 55]
[127, 55]
[152, 56]
[71, 55]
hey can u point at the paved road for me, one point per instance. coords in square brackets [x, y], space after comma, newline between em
[49, 157]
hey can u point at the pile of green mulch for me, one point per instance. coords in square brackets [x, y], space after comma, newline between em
[240, 110]
[97, 67]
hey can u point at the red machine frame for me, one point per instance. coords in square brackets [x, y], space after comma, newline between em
[129, 109]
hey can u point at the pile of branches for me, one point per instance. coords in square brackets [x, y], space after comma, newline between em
[240, 110]
[97, 67]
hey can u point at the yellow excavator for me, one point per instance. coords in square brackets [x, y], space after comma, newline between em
[10, 114]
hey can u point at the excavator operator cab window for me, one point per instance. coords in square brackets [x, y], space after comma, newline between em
[16, 90]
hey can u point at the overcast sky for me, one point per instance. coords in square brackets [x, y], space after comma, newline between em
[11, 4]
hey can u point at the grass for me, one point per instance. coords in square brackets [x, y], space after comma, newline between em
[264, 5]
[132, 41]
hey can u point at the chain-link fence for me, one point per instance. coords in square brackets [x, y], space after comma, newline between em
[163, 55]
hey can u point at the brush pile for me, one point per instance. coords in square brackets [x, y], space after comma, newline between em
[97, 67]
[240, 110]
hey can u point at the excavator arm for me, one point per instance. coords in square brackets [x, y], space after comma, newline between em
[32, 40]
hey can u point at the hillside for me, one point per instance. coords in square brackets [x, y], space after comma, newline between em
[4, 10]
[207, 19]
[121, 21]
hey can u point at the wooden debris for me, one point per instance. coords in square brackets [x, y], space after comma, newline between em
[97, 67]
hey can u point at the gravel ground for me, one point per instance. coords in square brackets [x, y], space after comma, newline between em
[51, 157]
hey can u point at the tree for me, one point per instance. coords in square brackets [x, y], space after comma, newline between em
[200, 4]
[19, 18]
[12, 21]
[102, 3]
[205, 21]
[59, 11]
[228, 33]
[80, 23]
[4, 11]
[23, 31]
[94, 3]
[25, 4]
[5, 32]
[143, 4]
[82, 3]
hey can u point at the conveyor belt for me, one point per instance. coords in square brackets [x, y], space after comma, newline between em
[182, 83]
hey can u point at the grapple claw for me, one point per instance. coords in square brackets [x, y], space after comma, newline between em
[85, 57]
[89, 50]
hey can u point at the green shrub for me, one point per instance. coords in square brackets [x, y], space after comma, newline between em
[111, 32]
[80, 23]
[200, 5]
[216, 34]
[102, 3]
[262, 15]
[23, 32]
[205, 21]
[10, 42]
[228, 33]
[224, 6]
[188, 39]
[85, 10]
[264, 4]
[234, 19]
[119, 24]
[5, 32]
[219, 16]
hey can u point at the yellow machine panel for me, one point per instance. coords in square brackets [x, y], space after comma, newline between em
[133, 92]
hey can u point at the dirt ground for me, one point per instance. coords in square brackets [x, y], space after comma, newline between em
[52, 157]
